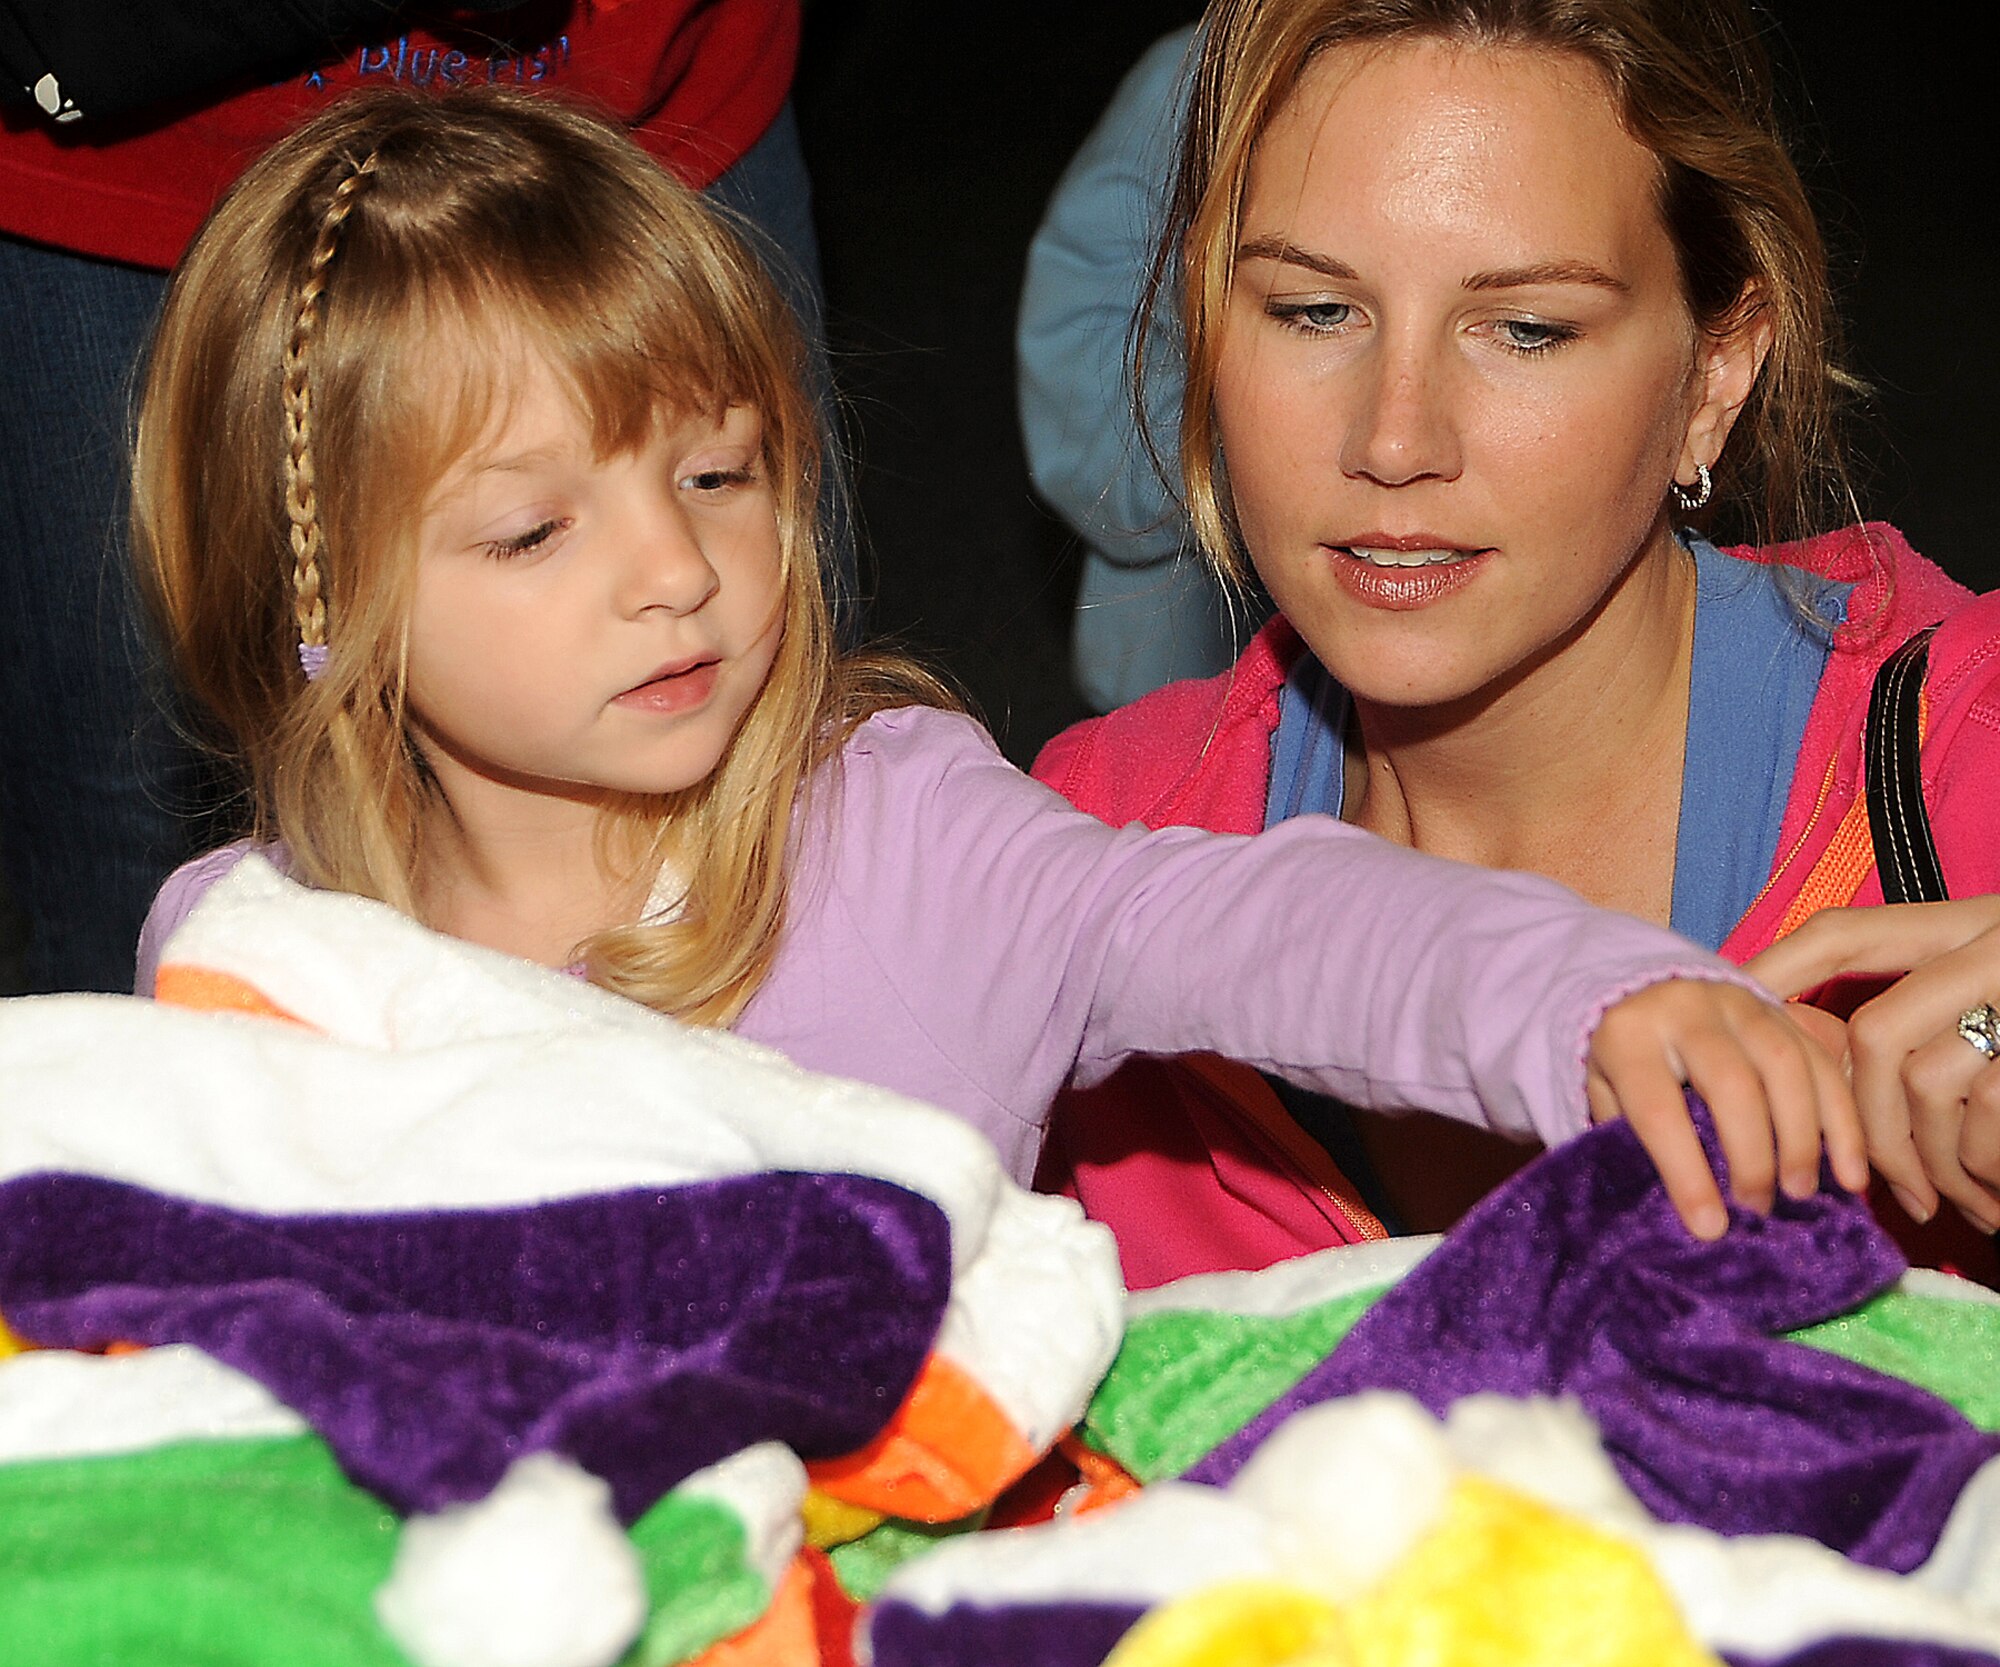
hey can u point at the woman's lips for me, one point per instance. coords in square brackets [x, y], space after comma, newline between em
[673, 689]
[1400, 574]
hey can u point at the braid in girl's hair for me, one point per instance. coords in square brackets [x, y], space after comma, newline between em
[301, 501]
[385, 861]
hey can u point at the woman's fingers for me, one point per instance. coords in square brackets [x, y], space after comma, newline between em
[1979, 1135]
[1940, 1080]
[1912, 1071]
[1887, 938]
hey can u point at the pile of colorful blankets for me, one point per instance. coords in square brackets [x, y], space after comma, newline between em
[370, 1298]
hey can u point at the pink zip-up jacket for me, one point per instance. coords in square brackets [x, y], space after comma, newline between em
[1197, 1167]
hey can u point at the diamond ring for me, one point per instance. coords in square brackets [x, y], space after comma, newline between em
[1981, 1027]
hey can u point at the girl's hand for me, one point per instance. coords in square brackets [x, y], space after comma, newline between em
[1929, 1099]
[1774, 1092]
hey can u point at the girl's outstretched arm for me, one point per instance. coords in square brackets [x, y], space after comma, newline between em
[962, 934]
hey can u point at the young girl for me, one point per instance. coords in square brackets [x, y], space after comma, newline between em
[474, 486]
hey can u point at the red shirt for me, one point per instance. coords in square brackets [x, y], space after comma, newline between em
[696, 81]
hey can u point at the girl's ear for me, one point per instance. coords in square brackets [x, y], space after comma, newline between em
[1727, 364]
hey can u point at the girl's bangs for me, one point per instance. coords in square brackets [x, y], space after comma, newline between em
[638, 343]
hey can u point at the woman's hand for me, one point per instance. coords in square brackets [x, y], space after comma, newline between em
[1929, 1099]
[1774, 1092]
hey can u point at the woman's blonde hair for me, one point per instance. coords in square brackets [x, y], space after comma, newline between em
[339, 334]
[1689, 80]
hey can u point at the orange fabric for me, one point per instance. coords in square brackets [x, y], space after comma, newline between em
[1843, 868]
[217, 992]
[783, 1636]
[947, 1451]
[1105, 1480]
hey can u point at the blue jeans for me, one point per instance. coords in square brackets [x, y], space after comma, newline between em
[99, 796]
[91, 778]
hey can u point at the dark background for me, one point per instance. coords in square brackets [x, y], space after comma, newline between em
[935, 134]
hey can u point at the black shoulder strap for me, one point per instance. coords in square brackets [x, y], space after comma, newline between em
[1905, 854]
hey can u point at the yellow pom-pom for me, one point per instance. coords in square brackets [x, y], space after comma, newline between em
[1243, 1623]
[9, 1343]
[1503, 1581]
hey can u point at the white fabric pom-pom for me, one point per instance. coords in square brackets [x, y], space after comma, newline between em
[1348, 1487]
[537, 1574]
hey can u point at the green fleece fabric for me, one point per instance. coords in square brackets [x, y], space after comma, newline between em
[699, 1582]
[202, 1554]
[241, 1553]
[863, 1566]
[1186, 1379]
[1946, 1345]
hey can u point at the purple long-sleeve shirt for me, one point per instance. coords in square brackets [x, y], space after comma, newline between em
[960, 934]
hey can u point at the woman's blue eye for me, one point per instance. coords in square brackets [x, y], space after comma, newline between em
[1530, 335]
[1311, 317]
[521, 543]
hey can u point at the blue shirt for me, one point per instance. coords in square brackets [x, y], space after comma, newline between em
[1761, 638]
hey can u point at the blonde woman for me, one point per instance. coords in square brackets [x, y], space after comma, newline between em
[1494, 311]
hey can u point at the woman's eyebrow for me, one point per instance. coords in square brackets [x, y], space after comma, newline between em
[1508, 277]
[1547, 272]
[1276, 248]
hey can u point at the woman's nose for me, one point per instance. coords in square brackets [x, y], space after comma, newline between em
[1402, 428]
[663, 564]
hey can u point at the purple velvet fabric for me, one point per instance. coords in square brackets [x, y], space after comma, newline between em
[1577, 1279]
[645, 1334]
[1028, 1635]
[1084, 1634]
[1870, 1652]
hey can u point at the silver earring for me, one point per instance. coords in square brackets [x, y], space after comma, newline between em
[1693, 497]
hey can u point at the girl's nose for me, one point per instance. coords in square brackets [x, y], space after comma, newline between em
[1403, 428]
[664, 565]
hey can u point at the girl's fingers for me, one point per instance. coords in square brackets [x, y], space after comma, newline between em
[1829, 1031]
[1632, 1077]
[1839, 1113]
[1718, 1066]
[1803, 1114]
[1779, 1098]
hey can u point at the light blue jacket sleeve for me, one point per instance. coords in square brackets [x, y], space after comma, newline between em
[1086, 268]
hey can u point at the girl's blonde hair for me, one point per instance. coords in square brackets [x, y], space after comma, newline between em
[339, 334]
[1689, 80]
